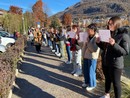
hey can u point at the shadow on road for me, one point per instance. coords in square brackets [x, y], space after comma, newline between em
[29, 67]
[55, 78]
[28, 90]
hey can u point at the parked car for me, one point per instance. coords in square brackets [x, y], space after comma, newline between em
[2, 48]
[5, 34]
[7, 42]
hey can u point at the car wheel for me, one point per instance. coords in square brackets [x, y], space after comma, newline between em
[8, 45]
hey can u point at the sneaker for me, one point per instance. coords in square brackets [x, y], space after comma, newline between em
[106, 96]
[90, 88]
[68, 62]
[73, 72]
[53, 50]
[51, 47]
[78, 73]
[58, 54]
[84, 85]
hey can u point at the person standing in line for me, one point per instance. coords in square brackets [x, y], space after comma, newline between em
[56, 40]
[113, 55]
[76, 52]
[52, 37]
[67, 43]
[44, 34]
[30, 35]
[37, 40]
[61, 37]
[49, 39]
[90, 56]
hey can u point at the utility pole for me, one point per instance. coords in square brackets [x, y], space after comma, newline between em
[24, 32]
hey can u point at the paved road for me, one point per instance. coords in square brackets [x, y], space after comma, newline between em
[46, 76]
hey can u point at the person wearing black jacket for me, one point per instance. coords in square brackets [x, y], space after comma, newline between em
[113, 55]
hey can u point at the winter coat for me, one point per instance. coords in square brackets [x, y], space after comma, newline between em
[91, 50]
[113, 56]
[37, 38]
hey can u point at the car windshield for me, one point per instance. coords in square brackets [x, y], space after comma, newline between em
[3, 33]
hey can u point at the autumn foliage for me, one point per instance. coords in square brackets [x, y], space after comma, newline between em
[38, 12]
[67, 19]
[55, 22]
[15, 10]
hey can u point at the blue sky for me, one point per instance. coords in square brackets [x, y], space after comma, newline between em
[54, 6]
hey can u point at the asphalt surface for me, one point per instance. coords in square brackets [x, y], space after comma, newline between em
[46, 76]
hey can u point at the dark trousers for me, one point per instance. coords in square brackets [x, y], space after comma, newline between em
[113, 75]
[54, 45]
[38, 48]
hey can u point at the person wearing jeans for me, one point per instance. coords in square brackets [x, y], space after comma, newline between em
[76, 51]
[49, 40]
[89, 72]
[90, 56]
[69, 54]
[67, 43]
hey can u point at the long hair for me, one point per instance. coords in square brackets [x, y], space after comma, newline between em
[68, 28]
[116, 21]
[74, 26]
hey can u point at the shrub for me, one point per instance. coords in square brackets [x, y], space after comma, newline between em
[125, 91]
[100, 75]
[8, 64]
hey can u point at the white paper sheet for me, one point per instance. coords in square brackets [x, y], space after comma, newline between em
[71, 35]
[104, 35]
[83, 37]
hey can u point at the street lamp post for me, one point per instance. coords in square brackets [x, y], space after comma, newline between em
[24, 32]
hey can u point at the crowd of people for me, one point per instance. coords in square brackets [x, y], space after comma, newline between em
[84, 54]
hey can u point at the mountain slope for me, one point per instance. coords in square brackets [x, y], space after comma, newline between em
[97, 8]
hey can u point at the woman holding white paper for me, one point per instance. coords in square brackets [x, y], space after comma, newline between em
[113, 55]
[67, 43]
[90, 56]
[76, 52]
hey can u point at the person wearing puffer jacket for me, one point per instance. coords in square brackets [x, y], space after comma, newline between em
[90, 56]
[113, 55]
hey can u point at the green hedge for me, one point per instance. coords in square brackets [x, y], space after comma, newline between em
[8, 65]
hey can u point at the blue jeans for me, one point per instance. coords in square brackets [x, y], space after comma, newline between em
[89, 71]
[69, 54]
[45, 40]
[49, 42]
[58, 48]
